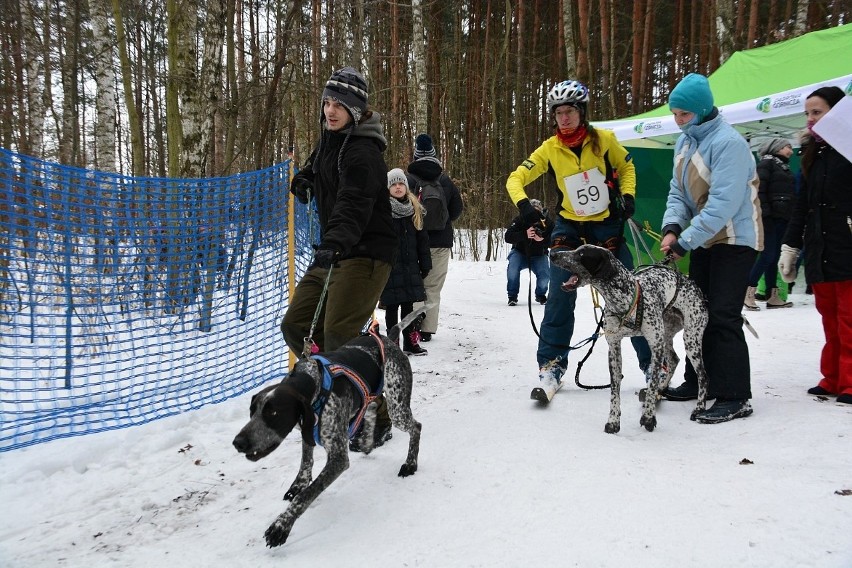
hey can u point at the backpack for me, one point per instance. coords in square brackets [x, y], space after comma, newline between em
[431, 195]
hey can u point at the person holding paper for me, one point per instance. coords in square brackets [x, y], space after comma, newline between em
[595, 188]
[822, 224]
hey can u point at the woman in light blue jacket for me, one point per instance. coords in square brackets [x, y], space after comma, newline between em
[713, 212]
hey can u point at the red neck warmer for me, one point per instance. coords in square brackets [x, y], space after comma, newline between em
[572, 139]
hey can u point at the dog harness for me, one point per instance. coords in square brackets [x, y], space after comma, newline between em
[358, 368]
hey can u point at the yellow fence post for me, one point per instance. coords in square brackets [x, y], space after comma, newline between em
[291, 242]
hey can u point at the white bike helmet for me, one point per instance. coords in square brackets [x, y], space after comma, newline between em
[568, 93]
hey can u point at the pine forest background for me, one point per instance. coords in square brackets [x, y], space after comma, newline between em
[208, 88]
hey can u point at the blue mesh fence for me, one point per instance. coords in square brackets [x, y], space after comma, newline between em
[124, 300]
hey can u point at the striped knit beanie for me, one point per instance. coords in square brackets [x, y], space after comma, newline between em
[349, 88]
[423, 147]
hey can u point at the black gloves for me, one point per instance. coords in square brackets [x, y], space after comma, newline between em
[530, 214]
[324, 258]
[629, 205]
[424, 274]
[300, 188]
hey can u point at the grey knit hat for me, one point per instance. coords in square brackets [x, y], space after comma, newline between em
[396, 175]
[349, 88]
[423, 147]
[772, 147]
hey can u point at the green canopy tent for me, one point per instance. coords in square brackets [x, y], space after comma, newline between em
[760, 91]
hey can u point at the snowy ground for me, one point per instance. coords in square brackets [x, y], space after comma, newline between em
[501, 482]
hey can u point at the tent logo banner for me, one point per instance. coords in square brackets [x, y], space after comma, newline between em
[848, 88]
[768, 104]
[650, 126]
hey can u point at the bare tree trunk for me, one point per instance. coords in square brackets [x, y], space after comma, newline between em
[584, 71]
[69, 136]
[752, 25]
[105, 82]
[724, 27]
[606, 42]
[570, 44]
[35, 52]
[647, 29]
[421, 85]
[136, 141]
[739, 24]
[801, 17]
[201, 99]
[636, 76]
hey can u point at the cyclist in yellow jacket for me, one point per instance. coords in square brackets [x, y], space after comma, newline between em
[596, 188]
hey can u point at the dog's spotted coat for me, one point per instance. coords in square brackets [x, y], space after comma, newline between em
[667, 303]
[277, 409]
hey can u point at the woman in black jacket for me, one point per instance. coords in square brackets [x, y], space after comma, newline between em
[405, 285]
[777, 193]
[822, 223]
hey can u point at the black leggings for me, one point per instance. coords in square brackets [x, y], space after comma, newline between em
[394, 313]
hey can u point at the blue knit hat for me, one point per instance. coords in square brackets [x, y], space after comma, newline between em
[693, 94]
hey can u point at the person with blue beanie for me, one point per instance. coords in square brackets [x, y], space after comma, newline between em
[713, 213]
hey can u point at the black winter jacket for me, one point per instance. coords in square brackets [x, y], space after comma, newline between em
[822, 218]
[405, 283]
[350, 185]
[516, 235]
[431, 169]
[777, 190]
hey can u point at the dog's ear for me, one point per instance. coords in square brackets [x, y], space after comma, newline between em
[598, 261]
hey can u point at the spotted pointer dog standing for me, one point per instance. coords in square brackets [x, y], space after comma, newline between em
[655, 302]
[329, 397]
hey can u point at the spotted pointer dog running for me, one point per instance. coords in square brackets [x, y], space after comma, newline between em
[655, 302]
[349, 411]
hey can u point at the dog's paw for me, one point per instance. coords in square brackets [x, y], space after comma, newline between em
[407, 469]
[612, 427]
[276, 535]
[649, 422]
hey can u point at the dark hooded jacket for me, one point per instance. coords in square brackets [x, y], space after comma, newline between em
[777, 190]
[349, 177]
[429, 169]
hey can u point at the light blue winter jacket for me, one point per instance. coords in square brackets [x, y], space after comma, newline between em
[713, 193]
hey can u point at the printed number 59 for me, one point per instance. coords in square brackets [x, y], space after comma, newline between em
[586, 194]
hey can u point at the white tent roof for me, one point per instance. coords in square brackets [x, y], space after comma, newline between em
[778, 115]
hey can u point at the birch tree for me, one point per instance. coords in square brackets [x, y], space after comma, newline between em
[420, 86]
[35, 54]
[801, 25]
[105, 83]
[724, 27]
[200, 97]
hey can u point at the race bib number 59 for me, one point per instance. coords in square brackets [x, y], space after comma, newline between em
[587, 192]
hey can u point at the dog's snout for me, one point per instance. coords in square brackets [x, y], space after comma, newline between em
[241, 443]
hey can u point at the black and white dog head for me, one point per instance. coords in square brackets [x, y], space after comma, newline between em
[587, 264]
[276, 410]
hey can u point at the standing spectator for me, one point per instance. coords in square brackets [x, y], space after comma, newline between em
[405, 285]
[822, 224]
[713, 212]
[777, 194]
[427, 167]
[529, 251]
[584, 161]
[347, 176]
